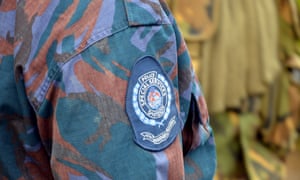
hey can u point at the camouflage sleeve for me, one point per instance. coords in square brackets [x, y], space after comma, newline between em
[95, 90]
[21, 153]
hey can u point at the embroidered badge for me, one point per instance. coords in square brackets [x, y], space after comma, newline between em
[150, 105]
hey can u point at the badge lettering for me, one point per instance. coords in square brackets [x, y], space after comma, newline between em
[151, 105]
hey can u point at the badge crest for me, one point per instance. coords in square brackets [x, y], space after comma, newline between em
[152, 98]
[150, 105]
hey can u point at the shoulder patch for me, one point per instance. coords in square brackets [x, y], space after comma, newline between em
[150, 105]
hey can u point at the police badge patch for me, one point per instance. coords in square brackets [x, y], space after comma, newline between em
[150, 105]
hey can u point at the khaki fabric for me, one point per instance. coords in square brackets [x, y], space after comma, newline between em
[269, 41]
[241, 59]
[213, 70]
[236, 56]
[254, 75]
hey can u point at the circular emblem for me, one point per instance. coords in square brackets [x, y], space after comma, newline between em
[152, 98]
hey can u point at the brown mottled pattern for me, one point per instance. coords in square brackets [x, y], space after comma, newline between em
[59, 32]
[99, 81]
[62, 57]
[111, 112]
[127, 71]
[34, 8]
[23, 34]
[185, 78]
[197, 172]
[164, 48]
[17, 125]
[63, 153]
[182, 48]
[88, 19]
[175, 159]
[103, 46]
[7, 47]
[7, 5]
[156, 7]
[83, 55]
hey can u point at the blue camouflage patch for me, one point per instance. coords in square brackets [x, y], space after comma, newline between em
[151, 107]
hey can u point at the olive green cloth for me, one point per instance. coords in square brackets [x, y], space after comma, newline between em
[241, 59]
[261, 162]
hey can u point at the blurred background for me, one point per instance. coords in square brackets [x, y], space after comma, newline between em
[246, 54]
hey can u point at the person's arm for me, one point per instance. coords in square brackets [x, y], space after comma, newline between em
[75, 73]
[22, 155]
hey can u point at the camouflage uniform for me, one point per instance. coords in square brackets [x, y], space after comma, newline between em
[99, 90]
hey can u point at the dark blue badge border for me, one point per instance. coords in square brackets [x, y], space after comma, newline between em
[151, 105]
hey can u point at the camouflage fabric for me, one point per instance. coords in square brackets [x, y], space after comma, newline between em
[197, 19]
[260, 161]
[67, 68]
